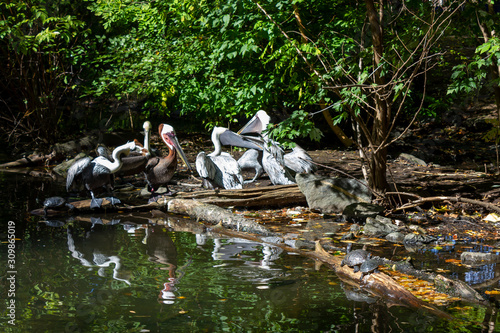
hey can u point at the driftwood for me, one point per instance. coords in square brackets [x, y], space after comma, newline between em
[215, 215]
[29, 161]
[266, 196]
[421, 201]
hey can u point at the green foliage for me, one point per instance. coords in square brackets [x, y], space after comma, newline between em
[38, 39]
[215, 62]
[472, 73]
[295, 126]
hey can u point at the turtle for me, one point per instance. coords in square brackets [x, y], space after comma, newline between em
[355, 258]
[369, 266]
[54, 202]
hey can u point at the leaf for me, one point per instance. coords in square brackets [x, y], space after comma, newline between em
[492, 217]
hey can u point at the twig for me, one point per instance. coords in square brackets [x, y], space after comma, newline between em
[453, 199]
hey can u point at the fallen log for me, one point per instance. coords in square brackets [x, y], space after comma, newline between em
[279, 195]
[378, 284]
[29, 161]
[81, 206]
[215, 215]
[211, 214]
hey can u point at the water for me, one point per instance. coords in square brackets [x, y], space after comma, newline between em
[131, 273]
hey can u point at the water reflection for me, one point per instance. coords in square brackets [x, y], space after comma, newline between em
[132, 273]
[98, 250]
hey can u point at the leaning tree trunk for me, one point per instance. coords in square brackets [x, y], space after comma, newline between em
[378, 157]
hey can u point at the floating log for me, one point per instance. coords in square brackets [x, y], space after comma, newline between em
[378, 284]
[215, 215]
[81, 206]
[279, 195]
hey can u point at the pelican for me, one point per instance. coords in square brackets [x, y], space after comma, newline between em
[219, 169]
[97, 172]
[159, 170]
[132, 165]
[252, 160]
[280, 167]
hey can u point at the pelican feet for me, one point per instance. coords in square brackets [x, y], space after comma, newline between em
[114, 201]
[95, 203]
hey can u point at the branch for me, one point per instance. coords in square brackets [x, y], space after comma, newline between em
[421, 201]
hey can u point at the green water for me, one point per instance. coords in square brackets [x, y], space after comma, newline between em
[142, 275]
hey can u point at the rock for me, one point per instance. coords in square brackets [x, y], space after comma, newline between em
[348, 236]
[331, 195]
[418, 239]
[62, 168]
[479, 258]
[395, 237]
[362, 210]
[412, 159]
[379, 226]
[355, 228]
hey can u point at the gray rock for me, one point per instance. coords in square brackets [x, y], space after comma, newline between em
[395, 237]
[418, 239]
[379, 226]
[62, 168]
[362, 210]
[412, 159]
[331, 195]
[479, 258]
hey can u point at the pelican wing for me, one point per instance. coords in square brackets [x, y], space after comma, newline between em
[230, 171]
[299, 161]
[219, 171]
[76, 170]
[205, 167]
[277, 172]
[133, 164]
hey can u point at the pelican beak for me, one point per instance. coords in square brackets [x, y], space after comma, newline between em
[229, 138]
[170, 140]
[254, 126]
[139, 148]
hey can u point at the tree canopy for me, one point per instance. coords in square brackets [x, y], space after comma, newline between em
[110, 64]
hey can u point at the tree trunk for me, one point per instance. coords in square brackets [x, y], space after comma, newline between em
[378, 157]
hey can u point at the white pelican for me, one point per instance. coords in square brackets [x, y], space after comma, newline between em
[132, 165]
[279, 166]
[159, 170]
[219, 169]
[97, 172]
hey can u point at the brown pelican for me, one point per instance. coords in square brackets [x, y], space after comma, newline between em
[159, 170]
[97, 172]
[280, 167]
[219, 169]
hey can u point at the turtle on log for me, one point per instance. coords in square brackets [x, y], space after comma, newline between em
[369, 266]
[355, 258]
[54, 202]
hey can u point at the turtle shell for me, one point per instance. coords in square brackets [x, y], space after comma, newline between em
[54, 202]
[369, 266]
[355, 258]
